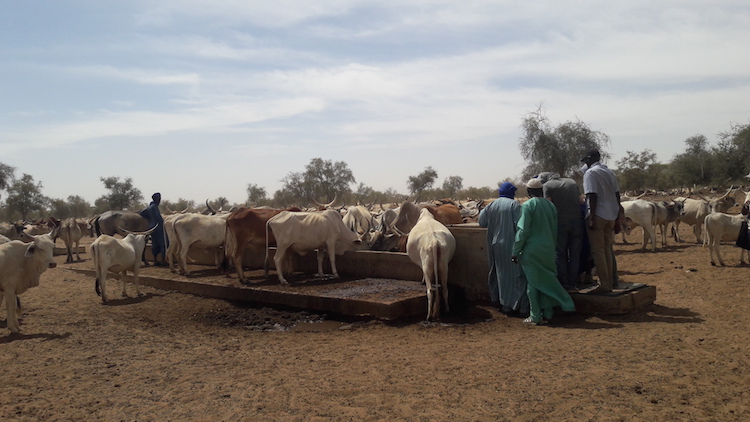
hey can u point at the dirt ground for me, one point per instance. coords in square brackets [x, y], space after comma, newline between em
[167, 356]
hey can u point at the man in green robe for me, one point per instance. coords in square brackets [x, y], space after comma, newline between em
[535, 248]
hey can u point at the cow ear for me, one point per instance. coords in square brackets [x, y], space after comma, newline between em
[30, 250]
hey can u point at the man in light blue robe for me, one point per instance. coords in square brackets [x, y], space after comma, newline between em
[534, 248]
[506, 281]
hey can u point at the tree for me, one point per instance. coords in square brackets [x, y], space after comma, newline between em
[322, 180]
[732, 154]
[7, 174]
[453, 184]
[25, 197]
[557, 149]
[633, 170]
[424, 180]
[122, 195]
[692, 166]
[256, 195]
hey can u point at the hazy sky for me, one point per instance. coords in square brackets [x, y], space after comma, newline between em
[197, 99]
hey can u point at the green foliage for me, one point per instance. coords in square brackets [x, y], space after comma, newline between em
[322, 181]
[633, 170]
[556, 149]
[452, 184]
[25, 197]
[7, 174]
[122, 195]
[256, 195]
[424, 180]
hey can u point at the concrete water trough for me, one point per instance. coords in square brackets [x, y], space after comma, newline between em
[383, 285]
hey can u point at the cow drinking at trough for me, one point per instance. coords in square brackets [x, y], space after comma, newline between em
[21, 265]
[200, 231]
[112, 255]
[303, 232]
[431, 246]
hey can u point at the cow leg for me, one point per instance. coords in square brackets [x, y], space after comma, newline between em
[331, 250]
[183, 259]
[697, 229]
[136, 283]
[430, 299]
[78, 248]
[123, 277]
[278, 260]
[320, 254]
[172, 250]
[444, 282]
[12, 312]
[237, 261]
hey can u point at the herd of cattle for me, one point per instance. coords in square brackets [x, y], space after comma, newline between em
[416, 229]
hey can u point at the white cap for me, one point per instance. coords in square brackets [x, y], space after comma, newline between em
[534, 183]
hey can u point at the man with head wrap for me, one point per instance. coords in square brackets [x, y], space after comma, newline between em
[534, 248]
[158, 239]
[565, 195]
[506, 281]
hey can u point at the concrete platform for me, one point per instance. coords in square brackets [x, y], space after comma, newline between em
[622, 300]
[380, 298]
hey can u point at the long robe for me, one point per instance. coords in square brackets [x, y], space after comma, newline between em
[159, 242]
[535, 246]
[506, 281]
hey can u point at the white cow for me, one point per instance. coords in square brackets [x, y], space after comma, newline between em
[668, 212]
[642, 213]
[696, 210]
[70, 232]
[431, 246]
[21, 265]
[112, 255]
[359, 220]
[302, 232]
[721, 226]
[199, 231]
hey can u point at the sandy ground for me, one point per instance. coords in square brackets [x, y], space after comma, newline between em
[167, 356]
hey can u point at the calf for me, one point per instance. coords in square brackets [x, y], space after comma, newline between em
[112, 255]
[431, 246]
[21, 265]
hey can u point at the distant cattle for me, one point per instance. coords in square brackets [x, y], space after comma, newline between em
[14, 231]
[303, 232]
[21, 265]
[431, 246]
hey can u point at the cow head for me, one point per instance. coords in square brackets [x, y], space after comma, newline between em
[41, 251]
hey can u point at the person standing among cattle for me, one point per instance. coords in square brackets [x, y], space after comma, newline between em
[534, 248]
[159, 241]
[506, 281]
[603, 200]
[565, 195]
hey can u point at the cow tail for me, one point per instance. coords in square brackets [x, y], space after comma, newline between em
[265, 259]
[707, 234]
[230, 248]
[436, 265]
[95, 257]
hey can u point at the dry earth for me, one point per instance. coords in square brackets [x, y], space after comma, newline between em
[170, 356]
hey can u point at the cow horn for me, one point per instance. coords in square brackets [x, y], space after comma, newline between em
[149, 231]
[213, 211]
[330, 204]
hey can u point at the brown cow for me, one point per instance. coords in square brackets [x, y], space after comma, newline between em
[247, 227]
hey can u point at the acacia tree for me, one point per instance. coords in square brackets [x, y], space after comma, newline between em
[424, 180]
[452, 184]
[556, 149]
[256, 194]
[692, 166]
[322, 180]
[7, 173]
[122, 195]
[633, 171]
[25, 196]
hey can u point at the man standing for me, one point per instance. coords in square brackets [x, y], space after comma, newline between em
[158, 239]
[564, 193]
[506, 281]
[603, 200]
[534, 249]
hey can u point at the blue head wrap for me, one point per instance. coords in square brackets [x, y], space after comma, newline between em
[507, 190]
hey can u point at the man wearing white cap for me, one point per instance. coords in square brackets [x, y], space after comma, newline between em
[534, 248]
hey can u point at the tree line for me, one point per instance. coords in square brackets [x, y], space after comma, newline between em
[543, 145]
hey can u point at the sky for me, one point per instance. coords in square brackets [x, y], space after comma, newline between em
[198, 99]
